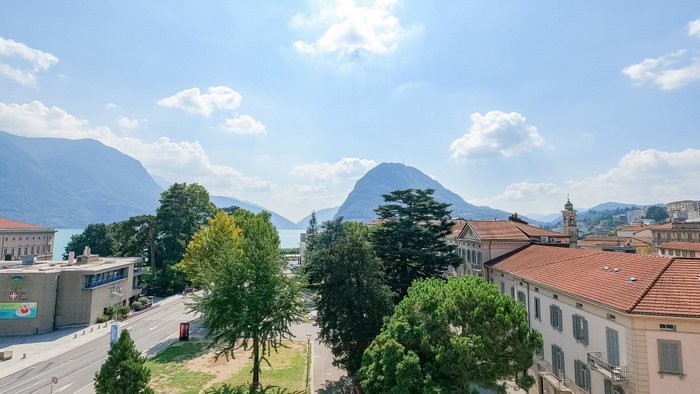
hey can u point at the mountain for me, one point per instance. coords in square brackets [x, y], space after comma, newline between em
[387, 177]
[70, 183]
[322, 215]
[279, 221]
[611, 206]
[544, 217]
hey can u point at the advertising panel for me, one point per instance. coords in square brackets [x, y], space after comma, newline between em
[18, 310]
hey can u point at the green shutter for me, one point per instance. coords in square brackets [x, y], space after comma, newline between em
[584, 335]
[613, 346]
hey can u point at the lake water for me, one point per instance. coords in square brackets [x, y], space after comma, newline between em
[288, 239]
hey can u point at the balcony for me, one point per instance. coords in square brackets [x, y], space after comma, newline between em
[560, 385]
[139, 270]
[616, 373]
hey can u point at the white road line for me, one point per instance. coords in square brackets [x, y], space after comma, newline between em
[63, 388]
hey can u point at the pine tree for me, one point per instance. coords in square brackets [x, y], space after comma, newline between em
[124, 370]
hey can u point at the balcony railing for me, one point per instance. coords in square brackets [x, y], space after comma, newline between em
[616, 373]
[561, 384]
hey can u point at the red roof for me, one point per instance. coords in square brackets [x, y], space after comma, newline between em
[690, 246]
[510, 230]
[663, 226]
[15, 225]
[583, 273]
[676, 292]
[457, 228]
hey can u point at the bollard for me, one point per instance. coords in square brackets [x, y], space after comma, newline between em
[83, 332]
[90, 329]
[75, 336]
[24, 355]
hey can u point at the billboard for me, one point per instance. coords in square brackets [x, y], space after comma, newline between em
[18, 310]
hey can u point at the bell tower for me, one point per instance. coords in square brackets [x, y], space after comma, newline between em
[568, 223]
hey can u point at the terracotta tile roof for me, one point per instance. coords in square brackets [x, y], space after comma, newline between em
[663, 226]
[690, 246]
[603, 240]
[510, 230]
[633, 227]
[582, 273]
[15, 225]
[676, 292]
[457, 228]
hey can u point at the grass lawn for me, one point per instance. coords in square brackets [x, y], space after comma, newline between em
[188, 367]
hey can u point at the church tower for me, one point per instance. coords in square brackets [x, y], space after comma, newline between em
[568, 222]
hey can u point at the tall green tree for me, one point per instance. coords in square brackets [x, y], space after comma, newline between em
[451, 337]
[135, 236]
[250, 303]
[353, 296]
[97, 236]
[410, 240]
[658, 213]
[183, 209]
[311, 232]
[124, 370]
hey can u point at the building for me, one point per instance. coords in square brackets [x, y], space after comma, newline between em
[611, 322]
[18, 239]
[687, 209]
[634, 230]
[479, 241]
[675, 232]
[636, 216]
[682, 249]
[568, 223]
[616, 244]
[43, 296]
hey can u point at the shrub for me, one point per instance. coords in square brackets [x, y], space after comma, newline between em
[102, 319]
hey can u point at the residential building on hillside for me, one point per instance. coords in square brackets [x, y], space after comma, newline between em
[611, 322]
[19, 239]
[616, 244]
[675, 231]
[43, 296]
[688, 209]
[479, 241]
[636, 216]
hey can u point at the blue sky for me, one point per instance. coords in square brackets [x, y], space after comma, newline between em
[510, 104]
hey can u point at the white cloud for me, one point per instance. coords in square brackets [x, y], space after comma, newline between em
[671, 71]
[195, 102]
[128, 123]
[173, 161]
[113, 106]
[694, 28]
[244, 124]
[641, 176]
[496, 134]
[350, 29]
[37, 60]
[347, 168]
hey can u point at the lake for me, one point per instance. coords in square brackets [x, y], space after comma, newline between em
[288, 239]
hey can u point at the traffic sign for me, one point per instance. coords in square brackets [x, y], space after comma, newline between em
[54, 380]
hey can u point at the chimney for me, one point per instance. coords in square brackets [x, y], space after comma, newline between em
[86, 251]
[71, 257]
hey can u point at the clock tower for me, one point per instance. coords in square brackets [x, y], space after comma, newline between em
[568, 223]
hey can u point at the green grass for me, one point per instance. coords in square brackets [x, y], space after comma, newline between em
[287, 373]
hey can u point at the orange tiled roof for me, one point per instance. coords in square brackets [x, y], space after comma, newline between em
[613, 240]
[663, 226]
[507, 229]
[676, 292]
[457, 228]
[633, 227]
[15, 225]
[582, 273]
[690, 246]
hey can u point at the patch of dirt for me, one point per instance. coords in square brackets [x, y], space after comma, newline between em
[222, 369]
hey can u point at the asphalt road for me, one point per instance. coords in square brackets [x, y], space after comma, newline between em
[76, 368]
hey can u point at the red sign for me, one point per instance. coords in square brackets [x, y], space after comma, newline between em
[14, 296]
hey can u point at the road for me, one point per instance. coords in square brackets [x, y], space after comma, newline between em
[76, 368]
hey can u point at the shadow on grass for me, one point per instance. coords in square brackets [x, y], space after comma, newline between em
[179, 351]
[243, 389]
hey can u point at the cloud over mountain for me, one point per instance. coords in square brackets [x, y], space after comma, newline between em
[35, 61]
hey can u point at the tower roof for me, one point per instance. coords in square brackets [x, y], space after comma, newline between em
[568, 206]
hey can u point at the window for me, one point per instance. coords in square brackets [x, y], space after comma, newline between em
[582, 375]
[539, 351]
[670, 360]
[512, 291]
[613, 346]
[611, 389]
[503, 287]
[580, 329]
[538, 309]
[555, 317]
[521, 296]
[558, 361]
[667, 327]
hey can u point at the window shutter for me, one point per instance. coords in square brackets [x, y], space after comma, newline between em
[575, 325]
[551, 314]
[613, 346]
[585, 332]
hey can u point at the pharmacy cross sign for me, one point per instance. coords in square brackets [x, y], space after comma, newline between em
[14, 296]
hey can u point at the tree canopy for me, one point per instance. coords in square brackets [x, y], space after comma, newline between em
[97, 236]
[449, 337]
[124, 370]
[658, 213]
[250, 303]
[353, 296]
[410, 240]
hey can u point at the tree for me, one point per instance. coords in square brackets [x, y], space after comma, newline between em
[311, 232]
[183, 209]
[657, 213]
[124, 370]
[353, 296]
[97, 236]
[450, 337]
[136, 236]
[250, 303]
[410, 240]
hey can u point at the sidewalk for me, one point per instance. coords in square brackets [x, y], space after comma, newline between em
[42, 347]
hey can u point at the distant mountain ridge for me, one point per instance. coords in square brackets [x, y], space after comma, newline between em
[70, 183]
[387, 177]
[278, 220]
[322, 215]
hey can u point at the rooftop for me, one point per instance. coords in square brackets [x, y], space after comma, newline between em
[633, 283]
[7, 224]
[689, 246]
[102, 263]
[510, 230]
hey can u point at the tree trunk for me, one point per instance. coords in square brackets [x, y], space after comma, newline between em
[256, 365]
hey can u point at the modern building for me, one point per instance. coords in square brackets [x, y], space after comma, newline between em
[611, 322]
[41, 296]
[19, 239]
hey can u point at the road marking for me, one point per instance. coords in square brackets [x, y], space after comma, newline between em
[152, 328]
[63, 388]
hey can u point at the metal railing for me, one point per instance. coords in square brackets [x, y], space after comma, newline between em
[547, 372]
[616, 373]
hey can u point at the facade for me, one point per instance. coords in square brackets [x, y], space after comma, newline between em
[568, 223]
[479, 241]
[675, 232]
[38, 297]
[682, 249]
[611, 322]
[616, 244]
[19, 239]
[634, 230]
[687, 209]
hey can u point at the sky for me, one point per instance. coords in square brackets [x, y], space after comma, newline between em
[510, 104]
